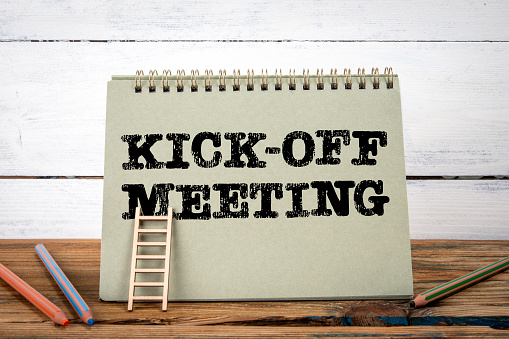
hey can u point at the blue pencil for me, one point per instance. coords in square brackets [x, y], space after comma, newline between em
[65, 285]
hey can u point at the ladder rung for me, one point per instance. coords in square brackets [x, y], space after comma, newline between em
[153, 217]
[151, 244]
[152, 230]
[150, 257]
[149, 284]
[148, 298]
[149, 270]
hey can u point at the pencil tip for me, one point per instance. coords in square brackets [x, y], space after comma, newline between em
[412, 303]
[90, 322]
[65, 322]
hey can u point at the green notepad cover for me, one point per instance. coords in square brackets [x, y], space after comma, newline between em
[324, 233]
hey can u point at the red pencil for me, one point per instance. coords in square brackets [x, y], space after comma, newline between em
[37, 299]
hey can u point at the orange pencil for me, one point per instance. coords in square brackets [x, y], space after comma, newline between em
[34, 297]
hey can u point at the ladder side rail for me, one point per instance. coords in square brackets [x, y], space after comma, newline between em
[167, 260]
[134, 259]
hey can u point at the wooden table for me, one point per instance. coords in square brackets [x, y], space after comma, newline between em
[480, 311]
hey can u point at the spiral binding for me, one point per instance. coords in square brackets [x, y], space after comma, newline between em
[376, 78]
[265, 81]
[166, 83]
[362, 78]
[194, 80]
[279, 81]
[236, 80]
[293, 83]
[208, 85]
[180, 80]
[319, 77]
[348, 78]
[222, 80]
[250, 80]
[137, 81]
[390, 77]
[334, 78]
[151, 81]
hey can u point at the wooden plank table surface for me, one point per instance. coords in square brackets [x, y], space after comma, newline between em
[480, 311]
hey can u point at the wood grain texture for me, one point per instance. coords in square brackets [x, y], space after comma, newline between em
[485, 306]
[72, 208]
[453, 97]
[255, 20]
[135, 331]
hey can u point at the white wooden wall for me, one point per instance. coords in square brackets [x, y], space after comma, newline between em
[452, 58]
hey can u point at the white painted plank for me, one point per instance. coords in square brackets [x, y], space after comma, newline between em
[254, 20]
[53, 208]
[459, 209]
[72, 208]
[53, 97]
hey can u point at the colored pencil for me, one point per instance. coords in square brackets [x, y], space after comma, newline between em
[34, 297]
[65, 285]
[459, 284]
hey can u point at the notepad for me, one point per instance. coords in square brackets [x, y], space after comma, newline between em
[283, 187]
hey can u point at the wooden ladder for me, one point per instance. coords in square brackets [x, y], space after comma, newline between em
[136, 257]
